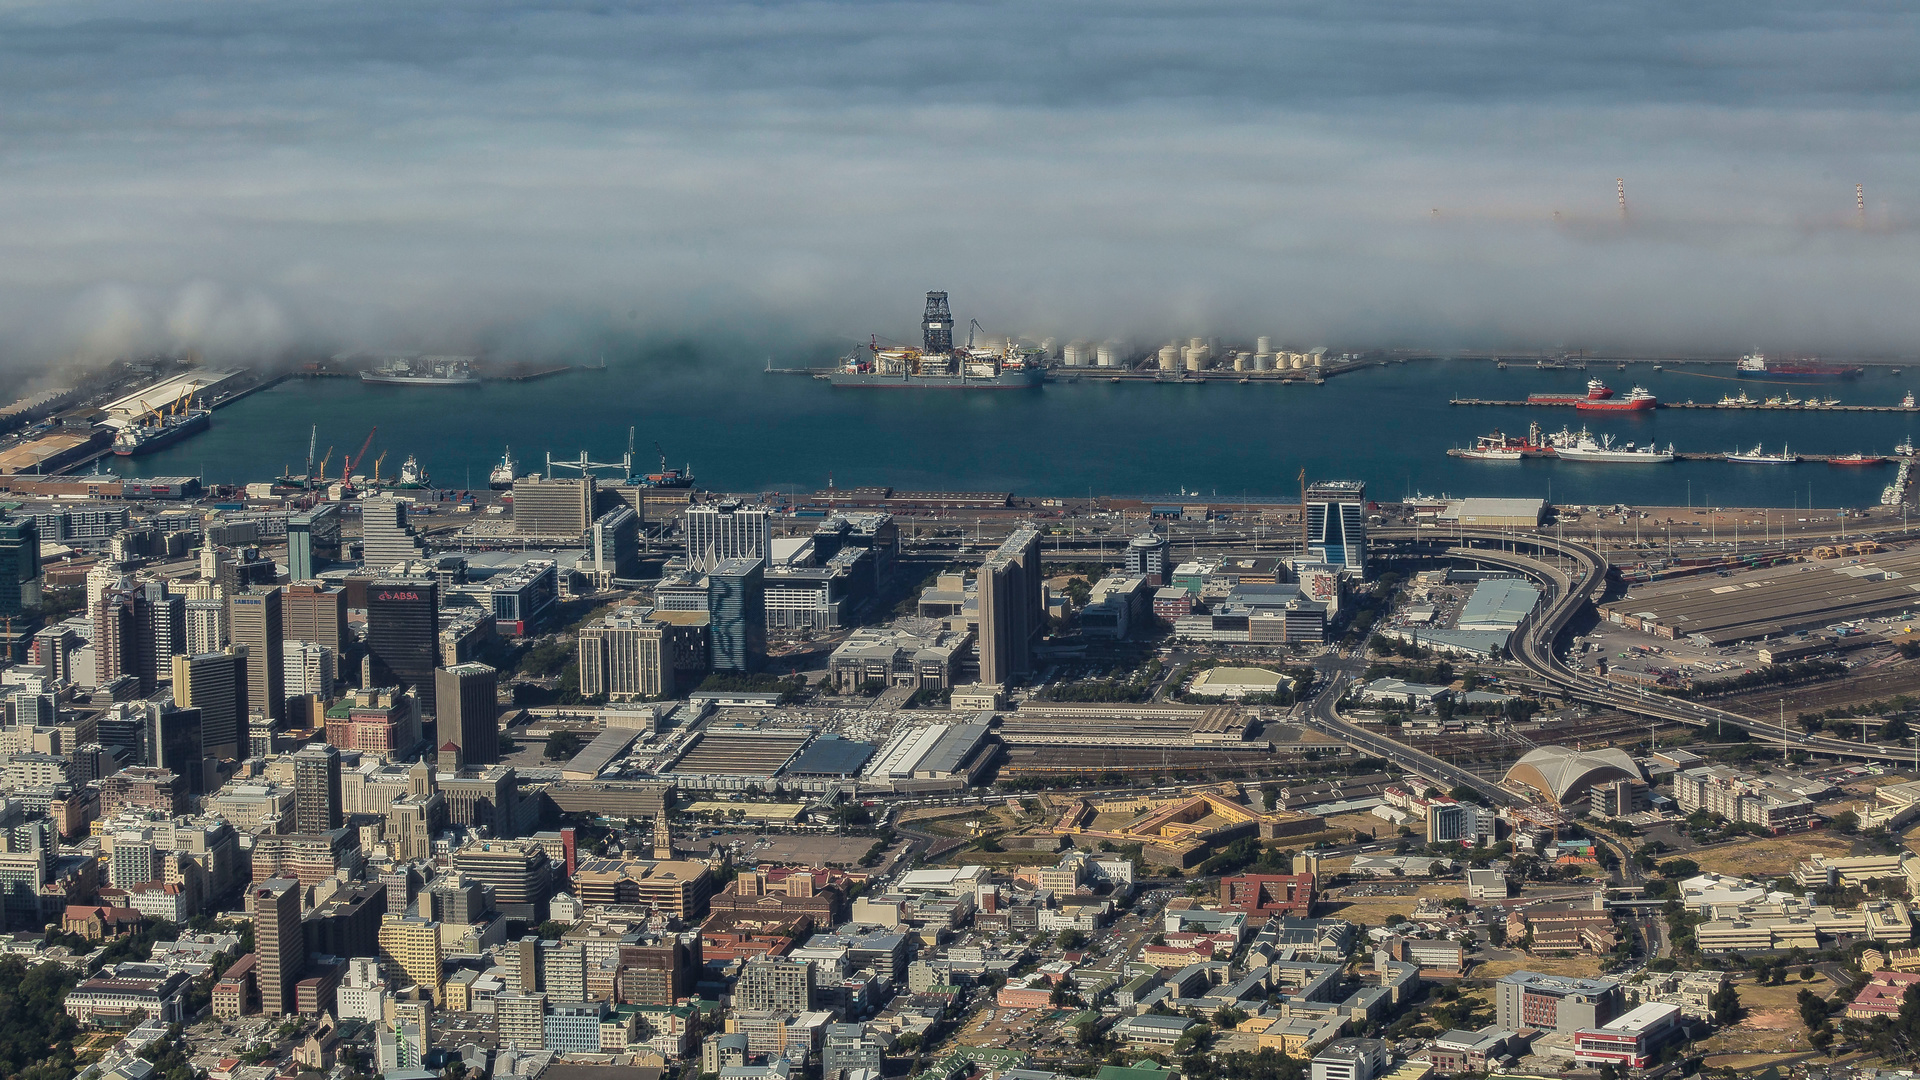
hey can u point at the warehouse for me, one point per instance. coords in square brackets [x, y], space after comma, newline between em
[1495, 513]
[1773, 601]
[1498, 604]
[747, 755]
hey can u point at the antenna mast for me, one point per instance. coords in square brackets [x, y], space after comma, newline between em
[1860, 204]
[1620, 186]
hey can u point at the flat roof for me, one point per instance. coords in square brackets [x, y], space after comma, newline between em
[831, 755]
[1639, 1018]
[1497, 604]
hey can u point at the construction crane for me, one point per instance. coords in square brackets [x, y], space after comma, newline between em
[313, 442]
[355, 463]
[972, 325]
[321, 475]
[377, 462]
[625, 465]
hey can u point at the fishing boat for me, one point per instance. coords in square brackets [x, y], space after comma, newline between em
[1830, 401]
[1856, 459]
[1735, 401]
[1584, 447]
[1638, 400]
[1759, 456]
[1774, 402]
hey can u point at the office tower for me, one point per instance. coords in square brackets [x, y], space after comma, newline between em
[313, 540]
[1337, 524]
[412, 945]
[560, 507]
[309, 669]
[520, 1020]
[1012, 607]
[468, 696]
[167, 621]
[519, 872]
[385, 536]
[615, 543]
[777, 984]
[1147, 554]
[316, 789]
[279, 942]
[216, 684]
[631, 655]
[52, 649]
[403, 635]
[563, 970]
[174, 742]
[737, 614]
[254, 620]
[132, 861]
[310, 611]
[19, 582]
[720, 531]
[206, 627]
[123, 636]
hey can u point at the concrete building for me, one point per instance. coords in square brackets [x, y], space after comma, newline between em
[279, 942]
[720, 531]
[468, 697]
[215, 684]
[254, 620]
[737, 614]
[1350, 1059]
[1337, 524]
[1527, 999]
[386, 537]
[1011, 596]
[411, 944]
[317, 799]
[557, 507]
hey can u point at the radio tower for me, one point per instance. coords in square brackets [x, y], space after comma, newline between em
[1620, 185]
[1860, 204]
[936, 327]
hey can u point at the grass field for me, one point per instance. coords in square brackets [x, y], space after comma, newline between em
[1583, 966]
[1772, 1022]
[1373, 910]
[1768, 858]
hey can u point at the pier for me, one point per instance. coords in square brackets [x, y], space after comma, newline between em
[1751, 407]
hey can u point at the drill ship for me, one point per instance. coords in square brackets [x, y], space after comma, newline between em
[938, 365]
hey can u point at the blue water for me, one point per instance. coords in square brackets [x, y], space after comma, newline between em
[745, 431]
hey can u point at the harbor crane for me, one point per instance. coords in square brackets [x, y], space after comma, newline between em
[586, 467]
[355, 463]
[313, 442]
[321, 476]
[377, 462]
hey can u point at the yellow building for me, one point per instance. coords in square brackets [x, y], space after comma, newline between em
[412, 944]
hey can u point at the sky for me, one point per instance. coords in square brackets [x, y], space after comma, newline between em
[251, 180]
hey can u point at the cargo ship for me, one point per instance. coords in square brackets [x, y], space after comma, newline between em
[1640, 399]
[1584, 447]
[423, 371]
[1757, 366]
[1596, 391]
[1500, 446]
[668, 478]
[157, 429]
[411, 474]
[938, 364]
[502, 476]
[1856, 459]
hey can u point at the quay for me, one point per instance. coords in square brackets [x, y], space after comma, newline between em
[1752, 407]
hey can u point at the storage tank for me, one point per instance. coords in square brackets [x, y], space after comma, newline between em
[1169, 357]
[1319, 356]
[1296, 361]
[1194, 342]
[1239, 361]
[1263, 361]
[1262, 344]
[1108, 355]
[1075, 354]
[1050, 346]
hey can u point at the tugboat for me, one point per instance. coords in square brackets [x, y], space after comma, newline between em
[1856, 458]
[1907, 402]
[411, 474]
[501, 478]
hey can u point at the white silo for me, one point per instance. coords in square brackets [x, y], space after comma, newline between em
[1263, 343]
[1296, 361]
[1074, 355]
[1239, 361]
[1169, 357]
[1319, 356]
[1050, 346]
[1194, 342]
[1108, 354]
[1263, 361]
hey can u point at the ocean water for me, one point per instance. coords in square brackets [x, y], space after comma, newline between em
[743, 430]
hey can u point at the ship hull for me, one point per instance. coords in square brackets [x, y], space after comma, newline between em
[1614, 406]
[1603, 457]
[374, 379]
[166, 437]
[1803, 374]
[1026, 379]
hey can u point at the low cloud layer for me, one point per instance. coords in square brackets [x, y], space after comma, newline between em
[253, 180]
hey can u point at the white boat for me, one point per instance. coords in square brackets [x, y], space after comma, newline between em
[1584, 447]
[1731, 400]
[1487, 453]
[502, 476]
[1836, 401]
[423, 371]
[1907, 402]
[1759, 456]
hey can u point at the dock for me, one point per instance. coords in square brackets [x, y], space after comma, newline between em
[1752, 407]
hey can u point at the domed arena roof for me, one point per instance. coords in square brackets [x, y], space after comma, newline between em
[1563, 775]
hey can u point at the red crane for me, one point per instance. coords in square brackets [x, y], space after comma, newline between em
[355, 463]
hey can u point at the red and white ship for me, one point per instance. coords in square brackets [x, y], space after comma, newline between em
[1639, 399]
[1596, 391]
[1500, 446]
[1856, 459]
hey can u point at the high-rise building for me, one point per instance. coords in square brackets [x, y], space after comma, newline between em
[123, 636]
[615, 544]
[280, 943]
[559, 507]
[469, 711]
[737, 614]
[777, 984]
[634, 653]
[1147, 554]
[403, 635]
[254, 620]
[316, 789]
[206, 626]
[1337, 524]
[385, 536]
[313, 540]
[167, 620]
[215, 683]
[519, 872]
[520, 1019]
[309, 669]
[314, 612]
[174, 743]
[726, 530]
[19, 582]
[412, 944]
[132, 862]
[1012, 607]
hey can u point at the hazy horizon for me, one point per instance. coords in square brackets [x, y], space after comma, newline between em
[253, 180]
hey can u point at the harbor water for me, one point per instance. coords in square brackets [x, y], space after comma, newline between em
[1391, 426]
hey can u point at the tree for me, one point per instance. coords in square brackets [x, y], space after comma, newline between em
[1724, 1005]
[562, 744]
[1895, 730]
[1071, 940]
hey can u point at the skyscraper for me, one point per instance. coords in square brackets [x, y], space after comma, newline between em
[309, 669]
[1011, 605]
[469, 711]
[1147, 554]
[174, 743]
[737, 614]
[311, 611]
[1337, 524]
[561, 507]
[403, 635]
[313, 540]
[385, 536]
[280, 943]
[167, 619]
[215, 684]
[726, 530]
[316, 789]
[19, 581]
[206, 626]
[255, 623]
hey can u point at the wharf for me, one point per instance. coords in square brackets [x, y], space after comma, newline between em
[1754, 407]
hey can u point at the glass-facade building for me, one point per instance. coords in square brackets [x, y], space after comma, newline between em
[1337, 524]
[403, 635]
[737, 614]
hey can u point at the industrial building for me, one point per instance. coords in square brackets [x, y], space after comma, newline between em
[1773, 601]
[1498, 604]
[1495, 513]
[942, 753]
